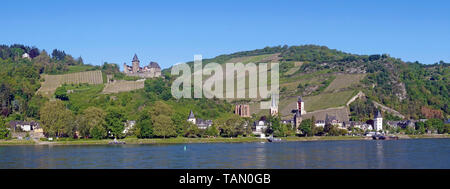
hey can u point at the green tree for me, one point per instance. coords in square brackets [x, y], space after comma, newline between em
[56, 120]
[115, 119]
[4, 132]
[307, 127]
[144, 125]
[92, 118]
[163, 125]
[435, 125]
[232, 126]
[212, 131]
[191, 130]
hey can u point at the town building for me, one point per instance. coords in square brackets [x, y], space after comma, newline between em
[20, 128]
[320, 123]
[201, 124]
[260, 126]
[242, 110]
[378, 122]
[26, 55]
[332, 120]
[150, 71]
[26, 126]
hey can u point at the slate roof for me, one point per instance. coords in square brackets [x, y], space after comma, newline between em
[135, 58]
[191, 115]
[154, 65]
[378, 115]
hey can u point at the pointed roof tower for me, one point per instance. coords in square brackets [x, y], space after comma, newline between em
[300, 99]
[378, 115]
[191, 115]
[274, 103]
[135, 58]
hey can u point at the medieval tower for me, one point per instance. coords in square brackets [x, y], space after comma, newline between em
[378, 122]
[301, 106]
[135, 64]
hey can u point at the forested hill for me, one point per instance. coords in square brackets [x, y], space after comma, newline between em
[20, 71]
[414, 89]
[324, 77]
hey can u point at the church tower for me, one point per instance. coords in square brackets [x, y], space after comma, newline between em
[191, 118]
[301, 106]
[297, 120]
[274, 106]
[135, 64]
[378, 122]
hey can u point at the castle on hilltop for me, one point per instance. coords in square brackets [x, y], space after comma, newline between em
[150, 71]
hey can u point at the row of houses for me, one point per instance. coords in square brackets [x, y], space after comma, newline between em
[261, 125]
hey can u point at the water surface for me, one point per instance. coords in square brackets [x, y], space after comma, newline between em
[417, 153]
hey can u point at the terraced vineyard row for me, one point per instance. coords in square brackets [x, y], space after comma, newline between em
[123, 86]
[52, 82]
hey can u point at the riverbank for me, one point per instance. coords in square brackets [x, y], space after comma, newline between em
[182, 140]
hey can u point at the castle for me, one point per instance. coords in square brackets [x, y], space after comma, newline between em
[150, 71]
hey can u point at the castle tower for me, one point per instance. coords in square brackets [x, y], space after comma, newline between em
[135, 64]
[378, 122]
[191, 117]
[274, 106]
[301, 106]
[125, 68]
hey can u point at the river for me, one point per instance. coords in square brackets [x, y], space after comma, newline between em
[402, 154]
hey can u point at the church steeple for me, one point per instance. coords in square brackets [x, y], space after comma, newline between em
[274, 106]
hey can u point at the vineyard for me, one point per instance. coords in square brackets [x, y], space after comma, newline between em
[123, 86]
[52, 82]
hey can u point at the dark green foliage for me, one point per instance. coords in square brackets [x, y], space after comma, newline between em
[307, 127]
[58, 55]
[115, 119]
[61, 93]
[109, 68]
[4, 132]
[313, 53]
[144, 127]
[362, 110]
[159, 88]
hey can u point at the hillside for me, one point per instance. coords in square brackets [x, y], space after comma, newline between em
[328, 78]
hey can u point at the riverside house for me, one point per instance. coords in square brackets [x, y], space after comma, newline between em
[201, 124]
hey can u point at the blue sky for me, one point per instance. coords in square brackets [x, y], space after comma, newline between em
[173, 31]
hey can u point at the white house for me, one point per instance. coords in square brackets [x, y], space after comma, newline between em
[260, 126]
[378, 122]
[320, 123]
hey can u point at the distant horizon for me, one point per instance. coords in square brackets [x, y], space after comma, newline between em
[171, 32]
